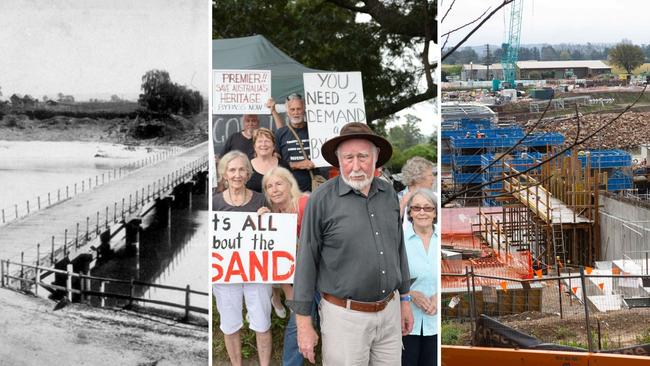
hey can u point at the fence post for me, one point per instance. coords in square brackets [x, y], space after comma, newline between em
[2, 273]
[107, 217]
[584, 301]
[102, 299]
[22, 269]
[187, 302]
[68, 282]
[38, 202]
[473, 303]
[38, 268]
[52, 254]
[28, 207]
[82, 287]
[16, 209]
[469, 308]
[37, 279]
[115, 212]
[97, 224]
[76, 238]
[87, 227]
[3, 217]
[49, 200]
[131, 291]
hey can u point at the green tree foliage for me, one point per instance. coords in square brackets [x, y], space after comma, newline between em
[627, 56]
[391, 49]
[160, 94]
[408, 141]
[399, 158]
[406, 135]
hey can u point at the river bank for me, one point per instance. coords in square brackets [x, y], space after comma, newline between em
[169, 130]
[32, 332]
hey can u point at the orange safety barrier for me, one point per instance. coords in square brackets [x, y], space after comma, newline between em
[485, 356]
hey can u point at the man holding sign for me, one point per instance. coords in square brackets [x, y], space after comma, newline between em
[352, 251]
[292, 141]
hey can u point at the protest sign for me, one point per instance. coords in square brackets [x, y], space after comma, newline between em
[332, 99]
[251, 248]
[241, 91]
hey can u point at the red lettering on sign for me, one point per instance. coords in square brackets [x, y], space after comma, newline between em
[217, 267]
[261, 267]
[276, 257]
[236, 268]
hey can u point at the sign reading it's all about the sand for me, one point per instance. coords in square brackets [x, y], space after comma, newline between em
[241, 91]
[252, 248]
[332, 99]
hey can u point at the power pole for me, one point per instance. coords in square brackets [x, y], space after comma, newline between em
[488, 62]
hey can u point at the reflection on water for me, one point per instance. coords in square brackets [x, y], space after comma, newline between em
[175, 256]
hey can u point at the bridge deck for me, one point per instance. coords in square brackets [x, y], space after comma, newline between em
[23, 234]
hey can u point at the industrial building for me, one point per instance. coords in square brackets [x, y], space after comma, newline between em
[538, 70]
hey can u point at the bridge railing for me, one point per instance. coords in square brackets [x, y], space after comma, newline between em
[22, 209]
[31, 275]
[79, 234]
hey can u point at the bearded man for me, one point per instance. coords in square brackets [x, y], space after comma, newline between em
[352, 252]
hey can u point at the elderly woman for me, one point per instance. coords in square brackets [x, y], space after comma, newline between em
[265, 160]
[284, 196]
[420, 345]
[417, 172]
[236, 170]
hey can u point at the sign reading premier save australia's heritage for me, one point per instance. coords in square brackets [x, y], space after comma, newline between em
[332, 99]
[251, 248]
[240, 91]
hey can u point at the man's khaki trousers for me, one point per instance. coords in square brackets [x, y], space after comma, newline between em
[353, 338]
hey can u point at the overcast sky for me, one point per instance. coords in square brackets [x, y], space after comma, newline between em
[553, 21]
[95, 48]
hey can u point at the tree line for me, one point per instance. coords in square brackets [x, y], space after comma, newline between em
[562, 52]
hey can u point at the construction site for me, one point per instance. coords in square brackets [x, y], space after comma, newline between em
[545, 215]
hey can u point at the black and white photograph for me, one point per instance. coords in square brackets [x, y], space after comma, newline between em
[104, 182]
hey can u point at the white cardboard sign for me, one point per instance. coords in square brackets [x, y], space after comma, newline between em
[241, 91]
[332, 99]
[251, 248]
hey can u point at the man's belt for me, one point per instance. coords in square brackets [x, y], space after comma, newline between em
[368, 307]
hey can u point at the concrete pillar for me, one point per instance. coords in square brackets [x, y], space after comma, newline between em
[132, 237]
[164, 211]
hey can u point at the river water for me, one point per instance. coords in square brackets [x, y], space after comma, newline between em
[174, 257]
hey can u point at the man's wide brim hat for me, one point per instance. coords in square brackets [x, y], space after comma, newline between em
[357, 130]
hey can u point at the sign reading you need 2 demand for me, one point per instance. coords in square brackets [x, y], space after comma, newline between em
[252, 248]
[241, 91]
[332, 99]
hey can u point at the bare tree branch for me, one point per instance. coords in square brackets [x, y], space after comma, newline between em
[401, 104]
[517, 144]
[448, 10]
[466, 24]
[391, 17]
[454, 48]
[562, 151]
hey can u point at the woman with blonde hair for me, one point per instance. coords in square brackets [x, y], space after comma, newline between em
[284, 196]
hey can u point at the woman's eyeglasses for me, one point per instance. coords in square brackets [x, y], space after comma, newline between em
[421, 208]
